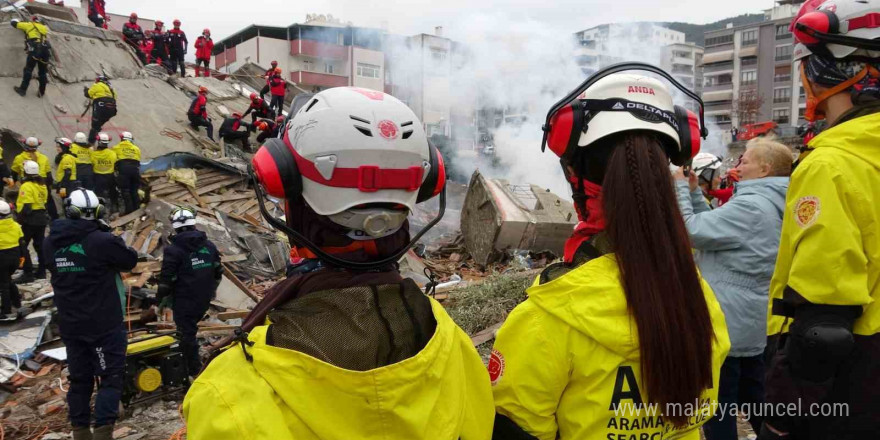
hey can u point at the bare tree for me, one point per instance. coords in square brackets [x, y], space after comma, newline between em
[747, 106]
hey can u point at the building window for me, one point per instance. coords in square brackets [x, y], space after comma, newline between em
[748, 77]
[340, 39]
[438, 55]
[748, 61]
[782, 116]
[801, 112]
[782, 32]
[719, 41]
[750, 38]
[368, 70]
[783, 53]
[781, 95]
[722, 119]
[308, 65]
[328, 68]
[803, 93]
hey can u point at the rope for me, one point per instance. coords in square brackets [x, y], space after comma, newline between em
[36, 437]
[17, 362]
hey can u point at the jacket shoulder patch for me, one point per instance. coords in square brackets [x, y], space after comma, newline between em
[496, 366]
[807, 210]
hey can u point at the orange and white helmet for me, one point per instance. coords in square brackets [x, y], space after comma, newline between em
[360, 157]
[836, 27]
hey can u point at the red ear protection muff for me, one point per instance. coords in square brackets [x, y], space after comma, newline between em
[818, 20]
[567, 119]
[435, 181]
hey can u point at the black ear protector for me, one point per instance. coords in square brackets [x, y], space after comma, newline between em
[74, 212]
[569, 117]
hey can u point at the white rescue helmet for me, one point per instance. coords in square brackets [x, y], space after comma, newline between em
[846, 18]
[83, 204]
[31, 168]
[705, 166]
[182, 216]
[31, 143]
[103, 139]
[5, 209]
[636, 88]
[80, 138]
[127, 136]
[349, 128]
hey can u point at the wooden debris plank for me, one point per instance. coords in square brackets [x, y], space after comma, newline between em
[485, 335]
[232, 314]
[252, 221]
[228, 197]
[235, 206]
[150, 174]
[246, 206]
[227, 206]
[124, 220]
[154, 243]
[201, 183]
[198, 199]
[147, 266]
[176, 187]
[253, 212]
[141, 239]
[221, 184]
[139, 281]
[228, 273]
[233, 258]
[158, 187]
[177, 195]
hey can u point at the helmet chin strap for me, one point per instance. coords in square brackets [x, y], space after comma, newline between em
[320, 253]
[812, 113]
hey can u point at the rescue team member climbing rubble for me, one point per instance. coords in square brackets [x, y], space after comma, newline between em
[268, 75]
[259, 108]
[38, 52]
[103, 99]
[824, 321]
[278, 87]
[601, 337]
[85, 260]
[128, 171]
[230, 133]
[198, 113]
[30, 213]
[345, 348]
[191, 272]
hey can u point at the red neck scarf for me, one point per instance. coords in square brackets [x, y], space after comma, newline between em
[591, 222]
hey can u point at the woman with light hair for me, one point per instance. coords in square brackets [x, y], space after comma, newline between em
[736, 251]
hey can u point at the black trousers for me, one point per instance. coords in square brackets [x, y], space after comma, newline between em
[207, 66]
[97, 20]
[187, 321]
[198, 121]
[101, 113]
[264, 90]
[34, 234]
[40, 60]
[85, 175]
[263, 136]
[741, 385]
[129, 182]
[9, 295]
[105, 187]
[158, 56]
[277, 104]
[177, 60]
[137, 50]
[233, 136]
[101, 356]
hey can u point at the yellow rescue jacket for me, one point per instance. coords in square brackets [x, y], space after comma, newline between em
[83, 154]
[126, 150]
[68, 162]
[829, 251]
[442, 393]
[10, 234]
[36, 156]
[34, 193]
[101, 90]
[104, 161]
[33, 31]
[570, 351]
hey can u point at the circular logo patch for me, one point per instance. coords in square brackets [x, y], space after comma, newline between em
[388, 129]
[807, 211]
[496, 366]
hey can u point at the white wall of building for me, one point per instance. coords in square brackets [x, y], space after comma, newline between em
[368, 61]
[272, 49]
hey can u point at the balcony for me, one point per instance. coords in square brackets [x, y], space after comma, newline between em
[784, 59]
[718, 105]
[318, 49]
[782, 78]
[786, 100]
[785, 36]
[749, 43]
[718, 87]
[682, 69]
[751, 61]
[318, 79]
[718, 67]
[752, 83]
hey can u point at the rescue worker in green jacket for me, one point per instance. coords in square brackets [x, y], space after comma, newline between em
[345, 348]
[623, 339]
[84, 168]
[103, 105]
[824, 320]
[128, 171]
[65, 177]
[38, 52]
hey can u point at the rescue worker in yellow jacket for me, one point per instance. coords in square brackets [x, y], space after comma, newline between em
[350, 350]
[45, 165]
[30, 213]
[5, 174]
[128, 170]
[104, 165]
[623, 340]
[84, 168]
[103, 104]
[824, 320]
[38, 53]
[65, 176]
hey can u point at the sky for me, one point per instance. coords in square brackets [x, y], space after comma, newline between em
[225, 17]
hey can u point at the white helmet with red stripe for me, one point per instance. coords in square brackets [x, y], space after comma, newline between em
[837, 26]
[351, 153]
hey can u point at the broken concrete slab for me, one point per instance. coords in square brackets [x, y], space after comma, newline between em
[231, 296]
[498, 217]
[21, 338]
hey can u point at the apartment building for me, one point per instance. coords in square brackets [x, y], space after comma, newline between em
[314, 55]
[607, 44]
[682, 61]
[748, 74]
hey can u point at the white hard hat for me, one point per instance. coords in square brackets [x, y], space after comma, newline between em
[182, 216]
[32, 142]
[703, 161]
[127, 136]
[81, 138]
[350, 128]
[31, 168]
[5, 209]
[83, 204]
[636, 88]
[850, 16]
[103, 138]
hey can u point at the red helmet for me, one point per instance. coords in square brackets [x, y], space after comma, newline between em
[133, 17]
[159, 24]
[254, 96]
[279, 119]
[203, 90]
[278, 70]
[236, 115]
[206, 31]
[177, 22]
[274, 64]
[262, 125]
